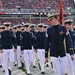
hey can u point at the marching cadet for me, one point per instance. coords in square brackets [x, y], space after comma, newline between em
[26, 47]
[32, 29]
[68, 25]
[55, 40]
[1, 54]
[6, 47]
[44, 28]
[74, 28]
[40, 43]
[14, 29]
[2, 28]
[18, 33]
[22, 29]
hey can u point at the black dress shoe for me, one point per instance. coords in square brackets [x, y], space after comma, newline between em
[22, 64]
[15, 64]
[47, 65]
[42, 72]
[19, 67]
[34, 66]
[9, 72]
[51, 65]
[3, 70]
[0, 65]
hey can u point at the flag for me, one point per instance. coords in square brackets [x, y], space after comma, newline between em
[61, 12]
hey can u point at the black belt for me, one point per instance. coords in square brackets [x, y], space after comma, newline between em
[58, 56]
[40, 48]
[28, 49]
[7, 48]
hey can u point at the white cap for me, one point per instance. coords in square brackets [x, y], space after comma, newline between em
[7, 23]
[50, 16]
[44, 25]
[19, 25]
[40, 24]
[14, 27]
[68, 20]
[32, 25]
[26, 24]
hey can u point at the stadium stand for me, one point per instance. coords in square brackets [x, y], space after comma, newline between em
[54, 4]
[17, 21]
[26, 5]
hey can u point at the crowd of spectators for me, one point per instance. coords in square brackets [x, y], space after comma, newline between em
[19, 21]
[32, 4]
[54, 4]
[36, 21]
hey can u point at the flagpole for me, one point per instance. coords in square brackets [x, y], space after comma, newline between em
[30, 18]
[61, 12]
[40, 17]
[61, 20]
